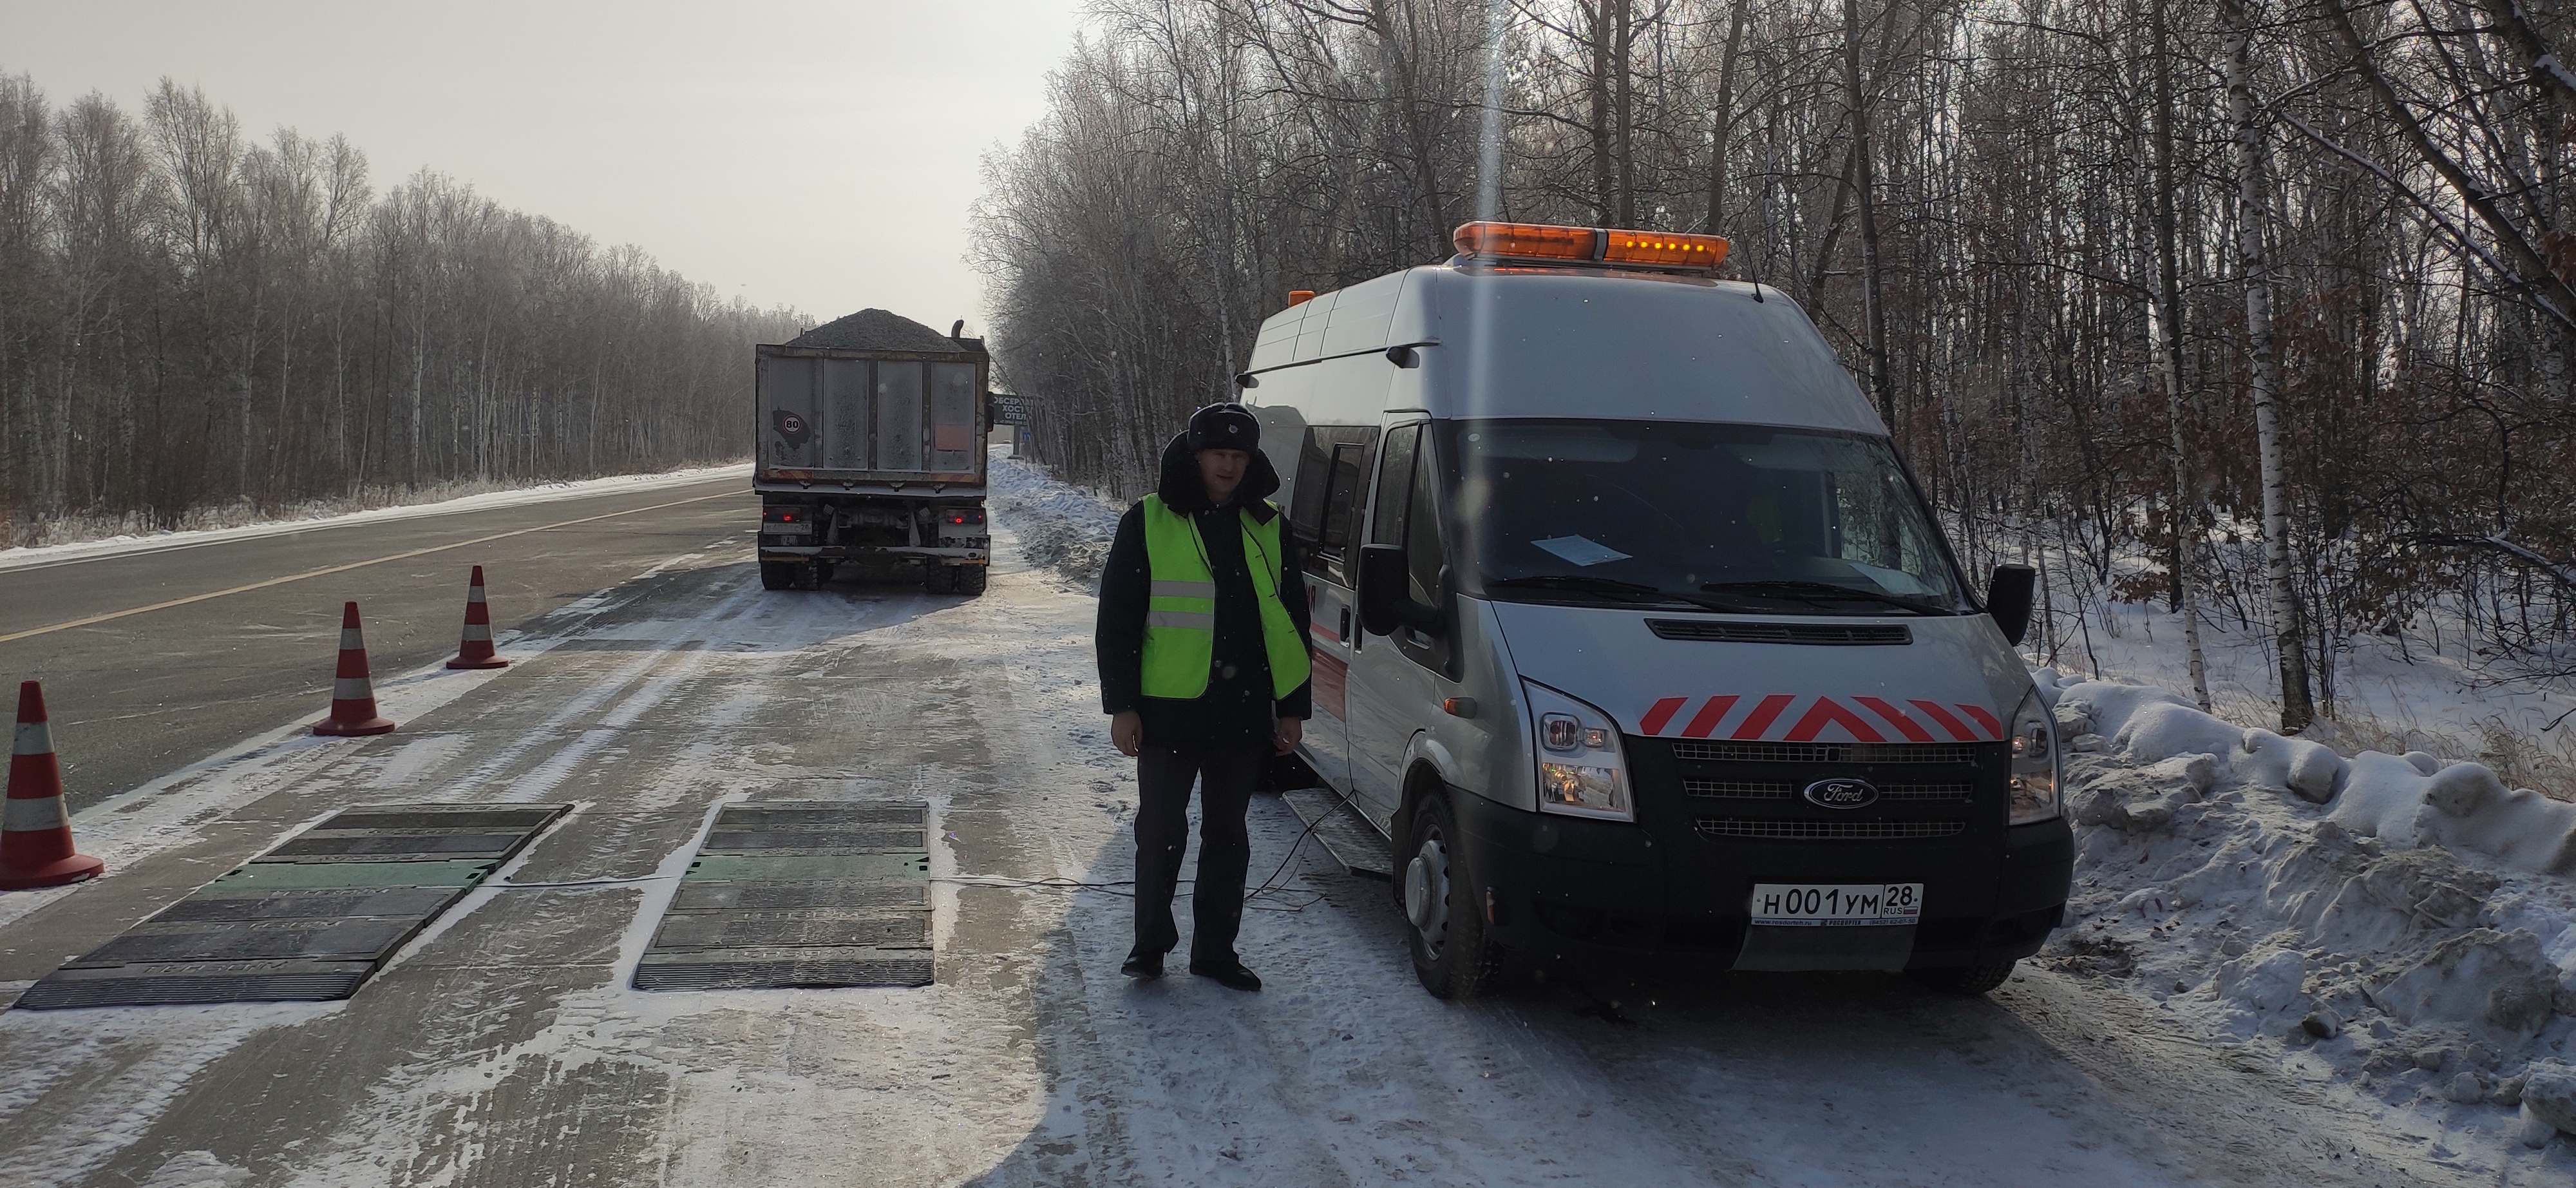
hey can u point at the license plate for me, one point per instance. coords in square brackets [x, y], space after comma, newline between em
[1818, 905]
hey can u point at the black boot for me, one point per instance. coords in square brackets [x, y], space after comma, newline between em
[1142, 966]
[1227, 972]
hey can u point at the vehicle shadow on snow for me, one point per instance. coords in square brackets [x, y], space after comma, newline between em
[1693, 1054]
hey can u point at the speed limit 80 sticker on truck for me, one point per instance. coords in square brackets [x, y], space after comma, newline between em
[1816, 905]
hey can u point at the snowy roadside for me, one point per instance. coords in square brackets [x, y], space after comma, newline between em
[2397, 929]
[20, 557]
[1061, 527]
[2429, 687]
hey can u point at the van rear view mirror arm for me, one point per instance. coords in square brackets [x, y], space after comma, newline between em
[2008, 599]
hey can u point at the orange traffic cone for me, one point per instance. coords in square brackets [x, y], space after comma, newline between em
[353, 696]
[36, 835]
[476, 649]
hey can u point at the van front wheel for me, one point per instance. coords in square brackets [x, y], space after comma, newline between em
[1445, 905]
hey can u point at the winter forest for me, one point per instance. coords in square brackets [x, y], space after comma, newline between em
[194, 318]
[2259, 308]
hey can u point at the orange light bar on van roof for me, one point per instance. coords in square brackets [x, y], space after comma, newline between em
[1526, 241]
[1538, 242]
[1663, 247]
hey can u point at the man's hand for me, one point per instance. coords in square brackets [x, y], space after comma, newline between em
[1291, 731]
[1127, 732]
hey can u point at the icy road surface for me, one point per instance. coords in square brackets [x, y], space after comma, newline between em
[503, 1047]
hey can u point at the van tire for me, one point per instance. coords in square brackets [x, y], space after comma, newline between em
[1451, 956]
[777, 575]
[971, 579]
[1965, 979]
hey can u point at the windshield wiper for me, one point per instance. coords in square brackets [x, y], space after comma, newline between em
[1816, 592]
[1579, 583]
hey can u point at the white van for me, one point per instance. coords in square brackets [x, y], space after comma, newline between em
[1632, 631]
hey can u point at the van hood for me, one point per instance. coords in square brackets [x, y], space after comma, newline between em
[1957, 681]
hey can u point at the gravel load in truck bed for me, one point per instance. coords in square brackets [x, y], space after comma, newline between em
[875, 330]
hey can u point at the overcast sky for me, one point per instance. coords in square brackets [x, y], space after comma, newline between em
[820, 155]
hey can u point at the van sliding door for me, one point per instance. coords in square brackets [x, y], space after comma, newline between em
[1324, 511]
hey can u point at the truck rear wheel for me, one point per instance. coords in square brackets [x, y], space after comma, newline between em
[941, 579]
[777, 575]
[970, 579]
[1445, 904]
[1964, 979]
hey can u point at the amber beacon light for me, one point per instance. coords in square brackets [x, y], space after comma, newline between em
[1536, 242]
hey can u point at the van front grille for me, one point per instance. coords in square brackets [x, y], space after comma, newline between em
[1720, 631]
[1713, 751]
[1784, 790]
[1827, 830]
[1739, 789]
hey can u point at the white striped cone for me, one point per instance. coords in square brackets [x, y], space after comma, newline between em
[475, 650]
[35, 832]
[353, 696]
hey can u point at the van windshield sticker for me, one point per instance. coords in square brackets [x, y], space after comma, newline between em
[1580, 551]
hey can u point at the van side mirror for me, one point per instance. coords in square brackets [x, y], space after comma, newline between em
[1386, 597]
[1381, 591]
[2008, 600]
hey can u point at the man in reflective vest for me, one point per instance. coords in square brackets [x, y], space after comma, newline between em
[1203, 663]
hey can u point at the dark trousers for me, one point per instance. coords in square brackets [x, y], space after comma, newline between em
[1163, 781]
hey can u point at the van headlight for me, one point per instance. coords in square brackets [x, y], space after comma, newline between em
[1581, 772]
[2034, 762]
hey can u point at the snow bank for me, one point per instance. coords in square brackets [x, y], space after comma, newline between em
[1060, 527]
[2406, 921]
[2405, 801]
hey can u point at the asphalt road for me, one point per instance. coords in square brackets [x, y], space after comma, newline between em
[136, 692]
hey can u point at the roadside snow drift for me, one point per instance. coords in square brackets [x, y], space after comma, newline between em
[2405, 921]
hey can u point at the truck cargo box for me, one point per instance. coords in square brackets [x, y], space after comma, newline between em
[883, 406]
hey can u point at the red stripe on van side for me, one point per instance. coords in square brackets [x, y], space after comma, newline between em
[1949, 721]
[1763, 716]
[1828, 711]
[1984, 718]
[1653, 722]
[1707, 718]
[1895, 717]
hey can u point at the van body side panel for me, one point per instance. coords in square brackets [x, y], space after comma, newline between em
[1487, 753]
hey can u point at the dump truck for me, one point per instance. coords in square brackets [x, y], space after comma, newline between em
[871, 455]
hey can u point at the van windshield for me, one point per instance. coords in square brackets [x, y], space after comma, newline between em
[1737, 518]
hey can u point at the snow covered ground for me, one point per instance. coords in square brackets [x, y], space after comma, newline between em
[2416, 691]
[2398, 929]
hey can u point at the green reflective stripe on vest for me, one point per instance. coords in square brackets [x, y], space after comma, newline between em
[1180, 606]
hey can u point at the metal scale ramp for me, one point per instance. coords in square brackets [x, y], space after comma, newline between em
[800, 894]
[308, 921]
[1354, 841]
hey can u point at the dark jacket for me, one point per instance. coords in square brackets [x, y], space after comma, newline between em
[1237, 709]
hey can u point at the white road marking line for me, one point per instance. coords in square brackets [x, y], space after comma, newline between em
[297, 577]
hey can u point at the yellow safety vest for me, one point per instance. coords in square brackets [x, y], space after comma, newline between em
[1180, 610]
